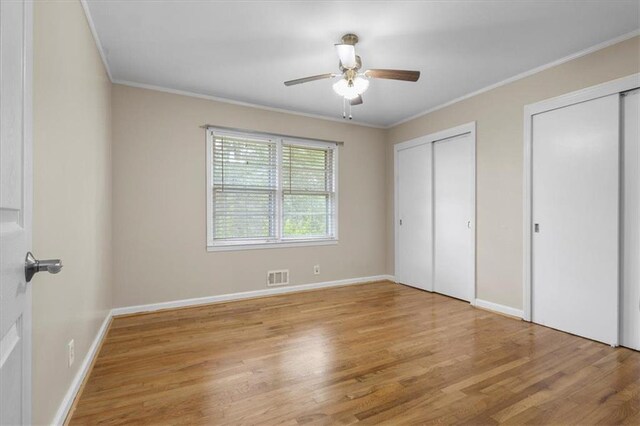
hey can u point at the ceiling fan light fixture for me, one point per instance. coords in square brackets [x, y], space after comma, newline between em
[351, 90]
[361, 84]
[353, 83]
[347, 55]
[342, 88]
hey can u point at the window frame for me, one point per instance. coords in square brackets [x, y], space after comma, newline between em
[279, 241]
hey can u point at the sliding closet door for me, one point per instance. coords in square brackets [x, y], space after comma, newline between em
[575, 203]
[413, 264]
[630, 291]
[453, 186]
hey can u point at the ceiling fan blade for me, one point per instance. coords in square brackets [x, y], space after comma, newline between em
[356, 101]
[308, 79]
[394, 74]
[347, 55]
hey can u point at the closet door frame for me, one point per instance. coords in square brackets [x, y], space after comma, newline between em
[615, 86]
[467, 128]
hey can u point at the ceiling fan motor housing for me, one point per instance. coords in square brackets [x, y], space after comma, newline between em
[350, 39]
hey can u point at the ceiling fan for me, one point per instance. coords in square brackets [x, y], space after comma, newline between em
[352, 83]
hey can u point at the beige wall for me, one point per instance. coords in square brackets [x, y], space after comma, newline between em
[72, 197]
[499, 117]
[159, 238]
[155, 223]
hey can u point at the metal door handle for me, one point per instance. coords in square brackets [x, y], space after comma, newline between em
[33, 265]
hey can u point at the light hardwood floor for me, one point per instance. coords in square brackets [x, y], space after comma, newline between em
[372, 353]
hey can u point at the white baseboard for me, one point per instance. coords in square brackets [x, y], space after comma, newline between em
[67, 401]
[506, 310]
[243, 295]
[69, 397]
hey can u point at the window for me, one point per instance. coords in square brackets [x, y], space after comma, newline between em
[266, 190]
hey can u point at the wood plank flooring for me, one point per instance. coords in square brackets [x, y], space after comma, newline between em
[372, 353]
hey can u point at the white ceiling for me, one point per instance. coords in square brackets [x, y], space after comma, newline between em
[244, 51]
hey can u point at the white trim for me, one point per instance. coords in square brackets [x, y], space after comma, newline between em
[278, 240]
[520, 76]
[207, 185]
[336, 191]
[270, 245]
[615, 86]
[517, 77]
[495, 307]
[472, 271]
[426, 139]
[527, 214]
[603, 89]
[279, 197]
[76, 383]
[244, 104]
[92, 27]
[126, 310]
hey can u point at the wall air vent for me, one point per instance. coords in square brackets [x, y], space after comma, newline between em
[276, 278]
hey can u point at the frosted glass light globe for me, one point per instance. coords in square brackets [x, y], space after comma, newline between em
[359, 86]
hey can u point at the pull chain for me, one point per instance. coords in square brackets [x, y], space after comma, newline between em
[344, 109]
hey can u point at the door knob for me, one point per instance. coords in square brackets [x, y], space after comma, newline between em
[33, 265]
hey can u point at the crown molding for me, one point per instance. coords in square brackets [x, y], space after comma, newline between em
[485, 89]
[244, 104]
[87, 14]
[520, 76]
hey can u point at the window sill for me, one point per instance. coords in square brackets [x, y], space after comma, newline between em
[283, 244]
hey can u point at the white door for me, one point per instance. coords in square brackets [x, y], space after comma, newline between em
[15, 211]
[630, 290]
[453, 189]
[575, 214]
[414, 216]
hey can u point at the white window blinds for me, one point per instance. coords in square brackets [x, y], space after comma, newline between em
[244, 188]
[307, 191]
[269, 190]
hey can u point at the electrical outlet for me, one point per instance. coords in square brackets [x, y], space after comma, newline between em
[316, 270]
[72, 352]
